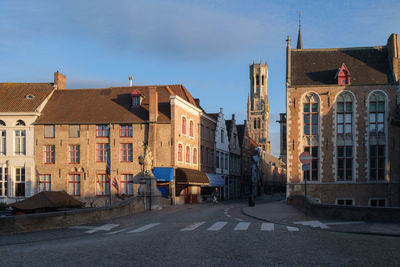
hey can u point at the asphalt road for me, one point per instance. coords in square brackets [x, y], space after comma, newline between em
[196, 235]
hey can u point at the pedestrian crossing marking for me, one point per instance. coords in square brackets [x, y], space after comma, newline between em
[313, 224]
[144, 228]
[292, 229]
[106, 227]
[116, 232]
[242, 226]
[193, 226]
[217, 226]
[267, 227]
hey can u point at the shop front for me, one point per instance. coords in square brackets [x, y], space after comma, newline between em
[188, 183]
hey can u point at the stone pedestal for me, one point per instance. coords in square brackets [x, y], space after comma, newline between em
[149, 192]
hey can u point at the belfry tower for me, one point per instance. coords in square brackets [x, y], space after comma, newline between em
[258, 105]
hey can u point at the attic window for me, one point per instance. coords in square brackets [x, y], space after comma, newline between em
[343, 75]
[30, 96]
[136, 101]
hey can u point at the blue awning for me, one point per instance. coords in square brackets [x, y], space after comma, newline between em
[164, 174]
[215, 179]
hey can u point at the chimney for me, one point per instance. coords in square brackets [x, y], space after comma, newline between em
[130, 81]
[60, 80]
[233, 117]
[153, 104]
[197, 100]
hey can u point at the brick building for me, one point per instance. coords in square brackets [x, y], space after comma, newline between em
[21, 104]
[80, 129]
[234, 158]
[339, 103]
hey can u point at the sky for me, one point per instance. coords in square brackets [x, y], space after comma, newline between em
[205, 45]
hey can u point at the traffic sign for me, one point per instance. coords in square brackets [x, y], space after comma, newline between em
[305, 157]
[305, 167]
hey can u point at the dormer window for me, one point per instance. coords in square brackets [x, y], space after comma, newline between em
[343, 75]
[136, 98]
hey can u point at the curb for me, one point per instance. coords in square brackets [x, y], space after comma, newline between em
[315, 229]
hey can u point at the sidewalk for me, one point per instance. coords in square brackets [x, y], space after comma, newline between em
[279, 212]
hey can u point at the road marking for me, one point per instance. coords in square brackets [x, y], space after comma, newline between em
[267, 227]
[144, 228]
[238, 219]
[192, 226]
[106, 227]
[242, 226]
[116, 232]
[292, 229]
[228, 215]
[343, 223]
[314, 224]
[84, 227]
[217, 226]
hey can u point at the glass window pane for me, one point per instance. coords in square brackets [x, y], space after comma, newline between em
[381, 106]
[340, 107]
[348, 128]
[314, 119]
[380, 117]
[349, 202]
[340, 150]
[314, 152]
[314, 129]
[340, 118]
[372, 107]
[381, 150]
[340, 174]
[306, 119]
[307, 149]
[307, 107]
[348, 118]
[306, 130]
[372, 128]
[349, 107]
[372, 151]
[372, 118]
[349, 151]
[314, 107]
[340, 128]
[340, 164]
[380, 128]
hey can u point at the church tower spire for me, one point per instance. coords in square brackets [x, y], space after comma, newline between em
[299, 40]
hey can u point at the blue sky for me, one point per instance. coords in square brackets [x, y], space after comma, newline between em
[205, 45]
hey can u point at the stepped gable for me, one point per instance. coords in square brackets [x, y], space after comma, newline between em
[367, 65]
[108, 105]
[23, 97]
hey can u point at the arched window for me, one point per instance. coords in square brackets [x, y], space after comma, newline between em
[344, 126]
[183, 125]
[257, 79]
[377, 136]
[191, 128]
[194, 155]
[180, 152]
[187, 154]
[2, 123]
[20, 123]
[310, 131]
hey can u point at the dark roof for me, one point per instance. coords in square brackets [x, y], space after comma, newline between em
[240, 130]
[367, 65]
[213, 116]
[111, 105]
[228, 127]
[47, 199]
[189, 176]
[15, 96]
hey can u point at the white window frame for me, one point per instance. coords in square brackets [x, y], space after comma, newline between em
[44, 182]
[19, 142]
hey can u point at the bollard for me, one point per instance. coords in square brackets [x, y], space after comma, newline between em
[251, 201]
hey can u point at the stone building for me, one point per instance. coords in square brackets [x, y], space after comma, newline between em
[258, 106]
[246, 151]
[282, 135]
[339, 105]
[221, 151]
[21, 104]
[234, 158]
[80, 130]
